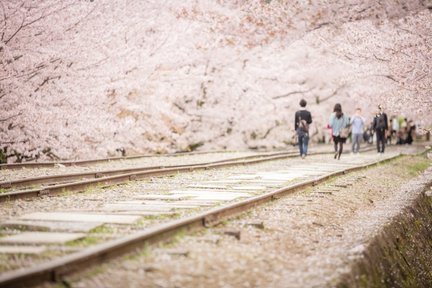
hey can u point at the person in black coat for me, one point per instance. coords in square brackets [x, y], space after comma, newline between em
[380, 126]
[302, 120]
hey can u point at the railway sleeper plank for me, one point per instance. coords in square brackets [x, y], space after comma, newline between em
[41, 238]
[53, 226]
[81, 217]
[14, 249]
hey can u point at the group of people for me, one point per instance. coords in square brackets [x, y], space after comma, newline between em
[402, 130]
[342, 126]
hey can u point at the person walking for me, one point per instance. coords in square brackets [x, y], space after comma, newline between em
[411, 132]
[380, 125]
[339, 124]
[357, 126]
[394, 128]
[302, 120]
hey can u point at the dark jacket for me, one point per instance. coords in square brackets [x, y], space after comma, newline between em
[377, 124]
[304, 115]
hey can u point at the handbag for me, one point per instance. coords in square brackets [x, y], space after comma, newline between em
[345, 132]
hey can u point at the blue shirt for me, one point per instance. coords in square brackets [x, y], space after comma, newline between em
[357, 123]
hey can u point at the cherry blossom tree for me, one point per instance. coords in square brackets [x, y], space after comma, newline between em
[85, 79]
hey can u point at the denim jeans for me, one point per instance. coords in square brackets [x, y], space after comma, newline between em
[356, 142]
[303, 139]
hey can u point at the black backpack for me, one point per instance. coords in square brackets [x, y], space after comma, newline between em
[303, 125]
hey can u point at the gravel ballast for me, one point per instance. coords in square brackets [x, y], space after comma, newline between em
[308, 239]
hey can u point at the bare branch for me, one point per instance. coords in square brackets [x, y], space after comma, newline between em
[16, 32]
[10, 117]
[32, 73]
[4, 20]
[386, 76]
[321, 25]
[398, 51]
[43, 16]
[4, 11]
[380, 59]
[319, 100]
[268, 132]
[291, 93]
[96, 64]
[420, 77]
[80, 20]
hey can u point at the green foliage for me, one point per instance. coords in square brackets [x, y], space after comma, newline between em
[3, 158]
[144, 219]
[103, 229]
[194, 146]
[142, 252]
[418, 167]
[83, 242]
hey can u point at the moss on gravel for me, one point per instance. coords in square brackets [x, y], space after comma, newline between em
[401, 256]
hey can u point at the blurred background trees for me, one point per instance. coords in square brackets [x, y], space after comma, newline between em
[85, 79]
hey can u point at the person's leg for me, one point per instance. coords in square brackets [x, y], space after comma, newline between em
[359, 137]
[355, 143]
[305, 144]
[300, 140]
[340, 149]
[381, 141]
[377, 133]
[335, 139]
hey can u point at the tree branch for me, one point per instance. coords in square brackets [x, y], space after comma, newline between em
[34, 21]
[10, 117]
[80, 20]
[319, 100]
[381, 59]
[16, 32]
[4, 20]
[321, 25]
[387, 76]
[291, 93]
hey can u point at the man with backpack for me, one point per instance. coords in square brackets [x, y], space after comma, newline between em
[302, 120]
[380, 126]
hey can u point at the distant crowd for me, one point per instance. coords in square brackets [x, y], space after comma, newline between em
[402, 131]
[396, 130]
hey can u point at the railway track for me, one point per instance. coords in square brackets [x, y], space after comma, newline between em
[68, 163]
[53, 179]
[54, 184]
[198, 204]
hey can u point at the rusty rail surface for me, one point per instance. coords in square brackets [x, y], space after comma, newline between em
[96, 161]
[50, 179]
[107, 178]
[55, 270]
[113, 177]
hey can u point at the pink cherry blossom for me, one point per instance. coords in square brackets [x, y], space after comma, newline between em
[86, 78]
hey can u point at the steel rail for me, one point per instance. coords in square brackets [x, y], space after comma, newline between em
[142, 174]
[122, 178]
[96, 161]
[55, 270]
[48, 180]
